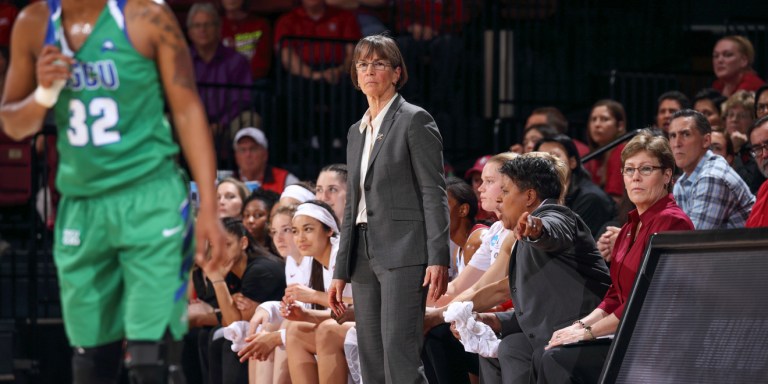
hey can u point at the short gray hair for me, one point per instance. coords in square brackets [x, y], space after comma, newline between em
[203, 7]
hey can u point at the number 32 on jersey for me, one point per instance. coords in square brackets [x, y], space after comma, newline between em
[105, 114]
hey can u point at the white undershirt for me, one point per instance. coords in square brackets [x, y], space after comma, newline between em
[371, 135]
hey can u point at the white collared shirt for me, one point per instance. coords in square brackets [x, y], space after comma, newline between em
[372, 134]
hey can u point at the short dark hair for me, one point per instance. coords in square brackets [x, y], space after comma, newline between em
[555, 118]
[270, 198]
[699, 120]
[386, 48]
[755, 125]
[565, 141]
[570, 150]
[463, 193]
[534, 172]
[678, 96]
[711, 94]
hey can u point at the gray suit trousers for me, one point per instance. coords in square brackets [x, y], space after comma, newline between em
[389, 316]
[514, 363]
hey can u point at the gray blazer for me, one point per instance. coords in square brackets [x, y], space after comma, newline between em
[556, 279]
[405, 192]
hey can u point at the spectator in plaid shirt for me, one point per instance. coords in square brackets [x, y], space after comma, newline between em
[710, 192]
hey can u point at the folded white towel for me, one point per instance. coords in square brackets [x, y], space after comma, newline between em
[476, 336]
[236, 333]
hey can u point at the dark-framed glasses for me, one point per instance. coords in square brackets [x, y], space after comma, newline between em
[757, 150]
[645, 170]
[362, 66]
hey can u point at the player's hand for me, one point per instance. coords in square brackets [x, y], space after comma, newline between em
[437, 279]
[52, 65]
[302, 293]
[260, 346]
[244, 304]
[197, 311]
[348, 315]
[209, 232]
[528, 226]
[292, 311]
[335, 301]
[259, 320]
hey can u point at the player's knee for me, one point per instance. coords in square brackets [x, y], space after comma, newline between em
[96, 365]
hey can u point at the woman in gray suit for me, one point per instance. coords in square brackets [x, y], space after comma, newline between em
[394, 238]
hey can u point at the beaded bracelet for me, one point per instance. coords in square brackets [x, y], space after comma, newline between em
[580, 323]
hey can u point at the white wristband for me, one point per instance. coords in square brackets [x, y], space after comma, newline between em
[47, 97]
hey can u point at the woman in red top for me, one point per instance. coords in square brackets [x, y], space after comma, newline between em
[732, 60]
[607, 122]
[647, 165]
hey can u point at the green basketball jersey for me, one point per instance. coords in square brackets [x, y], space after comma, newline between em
[112, 130]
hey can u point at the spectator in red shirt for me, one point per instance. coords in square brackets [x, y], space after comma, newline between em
[370, 13]
[607, 122]
[758, 138]
[426, 19]
[732, 60]
[311, 59]
[249, 35]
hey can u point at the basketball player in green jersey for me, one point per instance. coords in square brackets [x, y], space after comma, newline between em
[124, 224]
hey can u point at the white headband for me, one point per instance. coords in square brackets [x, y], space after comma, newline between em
[297, 192]
[319, 213]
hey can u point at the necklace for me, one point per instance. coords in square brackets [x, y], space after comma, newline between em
[80, 29]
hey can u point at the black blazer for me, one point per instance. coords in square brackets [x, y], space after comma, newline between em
[556, 279]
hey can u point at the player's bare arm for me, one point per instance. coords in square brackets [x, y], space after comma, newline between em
[31, 65]
[156, 34]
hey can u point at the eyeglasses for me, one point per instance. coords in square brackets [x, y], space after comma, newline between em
[758, 150]
[362, 66]
[645, 170]
[737, 115]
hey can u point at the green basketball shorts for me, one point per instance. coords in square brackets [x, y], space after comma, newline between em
[122, 261]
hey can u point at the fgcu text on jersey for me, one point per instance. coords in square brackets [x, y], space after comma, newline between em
[101, 74]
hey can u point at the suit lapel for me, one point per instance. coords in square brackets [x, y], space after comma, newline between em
[357, 156]
[386, 125]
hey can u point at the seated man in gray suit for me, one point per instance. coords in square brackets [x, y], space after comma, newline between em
[555, 270]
